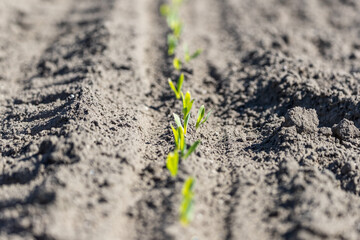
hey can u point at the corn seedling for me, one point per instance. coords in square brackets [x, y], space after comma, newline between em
[188, 56]
[171, 13]
[179, 138]
[176, 26]
[178, 122]
[177, 64]
[172, 44]
[187, 103]
[165, 10]
[172, 163]
[191, 149]
[200, 119]
[187, 203]
[177, 90]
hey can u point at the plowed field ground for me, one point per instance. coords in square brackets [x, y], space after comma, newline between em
[85, 109]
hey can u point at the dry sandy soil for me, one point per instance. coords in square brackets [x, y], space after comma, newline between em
[85, 111]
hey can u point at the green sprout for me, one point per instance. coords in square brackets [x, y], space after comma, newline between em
[165, 10]
[171, 13]
[179, 138]
[172, 163]
[177, 63]
[178, 122]
[187, 103]
[172, 44]
[188, 56]
[191, 149]
[176, 26]
[187, 203]
[179, 85]
[177, 2]
[201, 120]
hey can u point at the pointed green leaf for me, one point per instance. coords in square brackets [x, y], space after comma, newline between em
[207, 116]
[172, 163]
[177, 120]
[186, 207]
[186, 210]
[182, 140]
[180, 83]
[190, 106]
[173, 88]
[177, 2]
[192, 148]
[177, 64]
[186, 122]
[186, 54]
[176, 137]
[186, 104]
[165, 10]
[201, 114]
[183, 98]
[177, 28]
[172, 44]
[196, 54]
[187, 98]
[187, 189]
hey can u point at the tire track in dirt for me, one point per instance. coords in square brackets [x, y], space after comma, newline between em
[80, 97]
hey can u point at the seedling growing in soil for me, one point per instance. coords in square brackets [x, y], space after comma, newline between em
[165, 10]
[172, 163]
[176, 26]
[187, 103]
[188, 56]
[192, 149]
[179, 85]
[172, 44]
[171, 13]
[187, 203]
[200, 119]
[178, 122]
[179, 138]
[177, 63]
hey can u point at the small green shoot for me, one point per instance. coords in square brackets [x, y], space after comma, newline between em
[176, 26]
[192, 149]
[200, 119]
[172, 163]
[177, 120]
[172, 44]
[187, 103]
[177, 64]
[177, 2]
[179, 85]
[176, 137]
[187, 203]
[189, 57]
[165, 10]
[179, 138]
[186, 123]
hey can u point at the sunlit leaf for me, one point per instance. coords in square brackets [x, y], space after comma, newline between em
[172, 163]
[192, 149]
[177, 63]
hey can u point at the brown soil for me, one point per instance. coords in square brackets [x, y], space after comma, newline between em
[85, 111]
